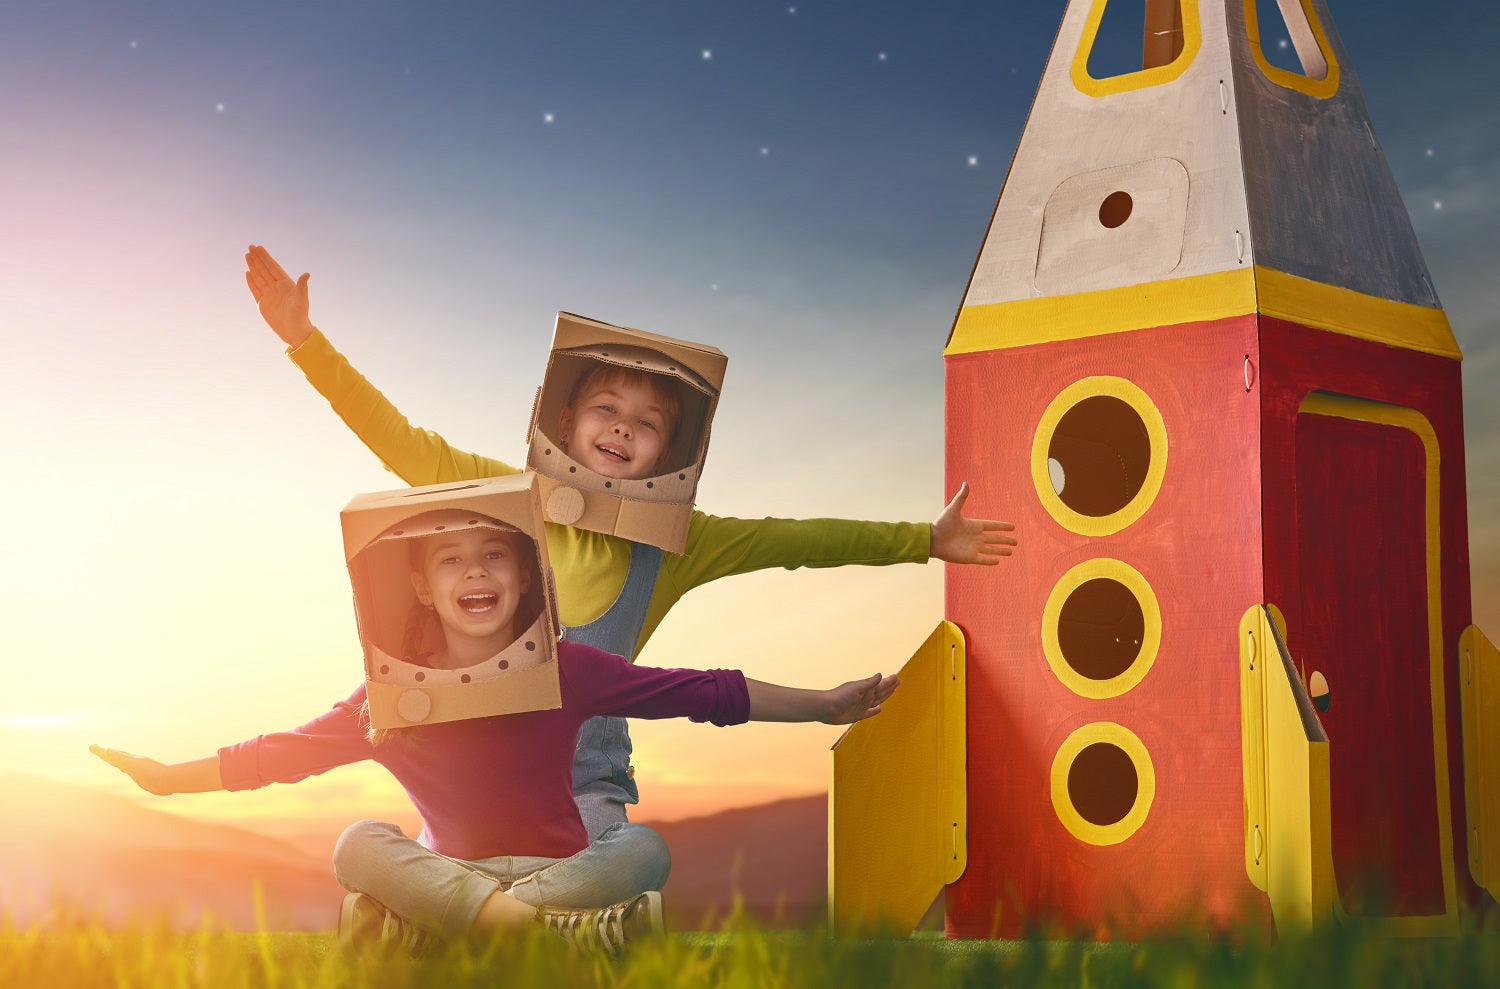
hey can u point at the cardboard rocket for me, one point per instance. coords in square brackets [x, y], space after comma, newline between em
[1229, 676]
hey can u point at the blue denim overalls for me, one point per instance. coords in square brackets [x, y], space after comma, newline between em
[602, 778]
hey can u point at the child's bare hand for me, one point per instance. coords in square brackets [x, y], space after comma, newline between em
[149, 775]
[956, 539]
[859, 699]
[283, 302]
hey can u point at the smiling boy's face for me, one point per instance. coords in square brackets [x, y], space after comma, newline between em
[474, 580]
[620, 425]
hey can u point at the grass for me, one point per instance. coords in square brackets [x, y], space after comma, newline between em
[743, 955]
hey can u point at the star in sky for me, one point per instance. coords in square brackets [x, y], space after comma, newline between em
[708, 54]
[973, 160]
[547, 118]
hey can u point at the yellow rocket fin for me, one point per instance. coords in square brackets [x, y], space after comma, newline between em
[897, 797]
[1479, 687]
[1288, 830]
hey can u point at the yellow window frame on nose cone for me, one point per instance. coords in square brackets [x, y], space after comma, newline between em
[1137, 585]
[1140, 79]
[1310, 43]
[1156, 431]
[1127, 741]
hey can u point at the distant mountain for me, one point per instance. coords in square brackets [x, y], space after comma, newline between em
[774, 856]
[70, 850]
[73, 850]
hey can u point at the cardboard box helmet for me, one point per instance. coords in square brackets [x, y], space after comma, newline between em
[387, 536]
[654, 509]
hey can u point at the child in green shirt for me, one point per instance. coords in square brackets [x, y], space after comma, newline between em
[612, 593]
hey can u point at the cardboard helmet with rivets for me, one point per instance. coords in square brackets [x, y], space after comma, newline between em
[384, 533]
[654, 509]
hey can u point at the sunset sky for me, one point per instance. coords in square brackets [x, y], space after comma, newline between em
[804, 186]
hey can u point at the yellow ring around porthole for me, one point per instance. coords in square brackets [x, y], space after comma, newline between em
[1107, 733]
[1156, 432]
[1131, 579]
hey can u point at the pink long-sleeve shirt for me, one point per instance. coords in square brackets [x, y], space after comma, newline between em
[501, 785]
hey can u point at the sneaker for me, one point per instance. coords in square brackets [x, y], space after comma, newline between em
[364, 922]
[608, 929]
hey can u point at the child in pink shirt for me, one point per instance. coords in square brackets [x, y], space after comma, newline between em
[502, 844]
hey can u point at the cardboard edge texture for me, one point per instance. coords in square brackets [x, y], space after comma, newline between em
[898, 799]
[396, 702]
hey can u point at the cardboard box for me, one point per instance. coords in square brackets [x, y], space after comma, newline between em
[395, 629]
[655, 509]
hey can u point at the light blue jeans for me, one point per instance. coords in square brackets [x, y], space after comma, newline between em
[443, 894]
[603, 782]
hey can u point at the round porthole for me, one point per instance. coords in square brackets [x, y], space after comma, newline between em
[1115, 209]
[1101, 628]
[1098, 456]
[1102, 783]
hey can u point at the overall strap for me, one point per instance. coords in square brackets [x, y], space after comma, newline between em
[619, 628]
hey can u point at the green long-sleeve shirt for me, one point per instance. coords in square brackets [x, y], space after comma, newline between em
[590, 566]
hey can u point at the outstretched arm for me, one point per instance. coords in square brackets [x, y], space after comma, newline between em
[163, 778]
[418, 456]
[956, 539]
[842, 705]
[723, 547]
[283, 302]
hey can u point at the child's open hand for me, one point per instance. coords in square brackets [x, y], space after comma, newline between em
[149, 775]
[283, 302]
[859, 699]
[956, 539]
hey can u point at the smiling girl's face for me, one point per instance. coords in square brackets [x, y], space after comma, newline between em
[474, 580]
[620, 424]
